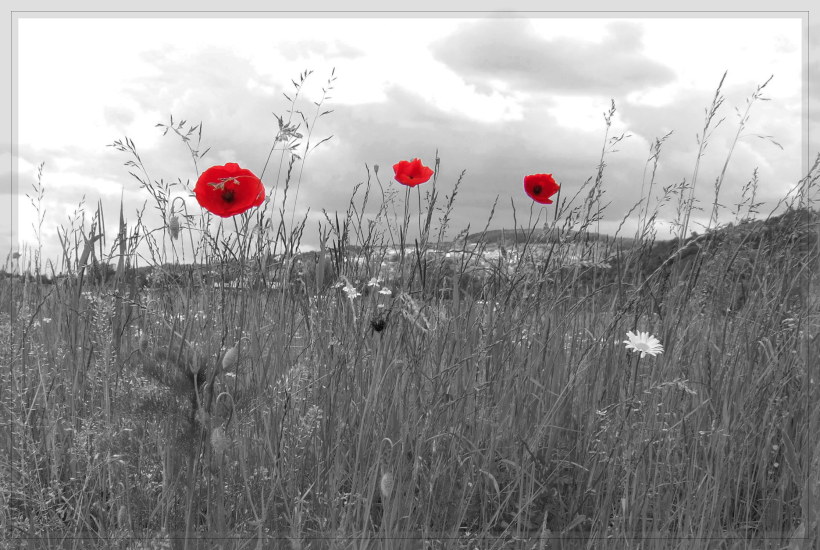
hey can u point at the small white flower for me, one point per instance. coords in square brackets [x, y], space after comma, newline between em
[351, 292]
[374, 281]
[644, 343]
[386, 291]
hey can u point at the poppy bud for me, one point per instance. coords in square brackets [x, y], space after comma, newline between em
[122, 517]
[386, 485]
[173, 227]
[230, 359]
[194, 365]
[219, 441]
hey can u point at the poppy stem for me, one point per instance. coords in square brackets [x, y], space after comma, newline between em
[406, 224]
[406, 212]
[418, 193]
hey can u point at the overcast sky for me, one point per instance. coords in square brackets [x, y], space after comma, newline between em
[498, 97]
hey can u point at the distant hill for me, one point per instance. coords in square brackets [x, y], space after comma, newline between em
[795, 226]
[508, 237]
[789, 227]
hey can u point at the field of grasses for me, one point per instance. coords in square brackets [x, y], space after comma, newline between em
[227, 390]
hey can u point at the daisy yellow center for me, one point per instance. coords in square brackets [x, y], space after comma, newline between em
[643, 346]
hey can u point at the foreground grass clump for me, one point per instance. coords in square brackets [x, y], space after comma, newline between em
[454, 391]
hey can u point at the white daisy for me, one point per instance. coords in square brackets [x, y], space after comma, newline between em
[386, 291]
[351, 292]
[644, 343]
[374, 281]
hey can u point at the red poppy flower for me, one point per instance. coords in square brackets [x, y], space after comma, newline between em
[540, 187]
[228, 190]
[412, 172]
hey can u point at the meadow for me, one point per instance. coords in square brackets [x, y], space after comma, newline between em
[399, 388]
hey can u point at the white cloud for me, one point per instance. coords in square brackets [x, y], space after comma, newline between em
[86, 82]
[580, 112]
[751, 49]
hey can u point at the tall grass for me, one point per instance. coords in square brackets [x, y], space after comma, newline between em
[243, 391]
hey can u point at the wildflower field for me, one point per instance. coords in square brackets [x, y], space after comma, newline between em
[206, 383]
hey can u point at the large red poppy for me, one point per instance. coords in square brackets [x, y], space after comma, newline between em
[540, 187]
[228, 190]
[412, 173]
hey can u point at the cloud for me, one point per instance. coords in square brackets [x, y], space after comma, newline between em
[512, 50]
[305, 49]
[118, 115]
[234, 98]
[495, 158]
[814, 91]
[205, 86]
[685, 117]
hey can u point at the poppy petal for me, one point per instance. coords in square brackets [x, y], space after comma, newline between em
[540, 187]
[412, 173]
[229, 190]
